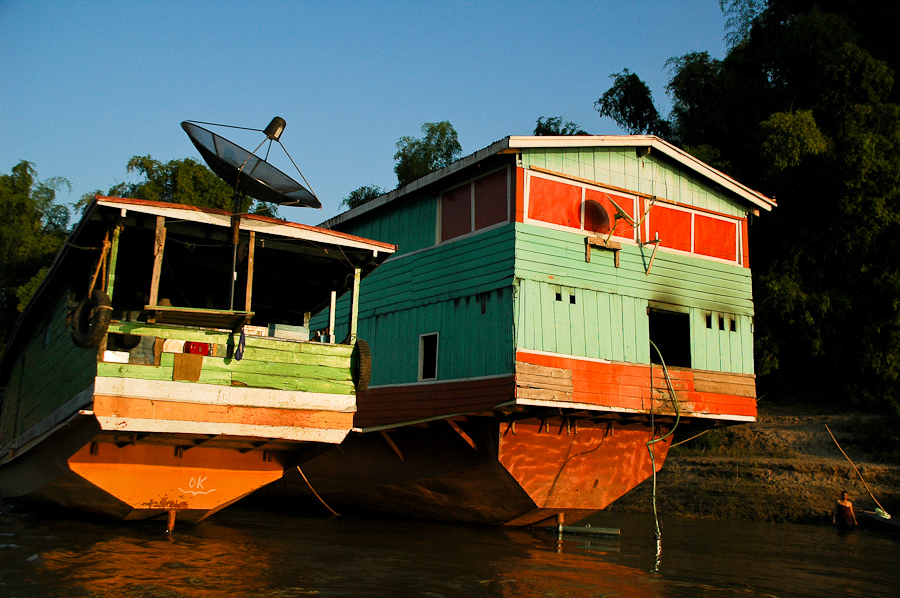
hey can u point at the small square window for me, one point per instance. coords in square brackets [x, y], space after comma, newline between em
[428, 356]
[733, 324]
[709, 321]
[559, 296]
[572, 299]
[721, 322]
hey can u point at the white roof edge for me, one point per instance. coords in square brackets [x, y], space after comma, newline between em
[287, 229]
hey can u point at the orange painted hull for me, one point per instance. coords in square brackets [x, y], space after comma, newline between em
[513, 475]
[144, 481]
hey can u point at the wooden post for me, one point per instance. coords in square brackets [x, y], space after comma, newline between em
[113, 256]
[331, 314]
[251, 253]
[354, 306]
[158, 250]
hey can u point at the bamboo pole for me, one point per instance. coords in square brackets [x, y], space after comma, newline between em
[855, 469]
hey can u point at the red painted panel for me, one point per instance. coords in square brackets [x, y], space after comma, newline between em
[393, 404]
[745, 244]
[583, 467]
[627, 386]
[519, 193]
[715, 237]
[599, 213]
[490, 200]
[554, 202]
[673, 226]
[456, 212]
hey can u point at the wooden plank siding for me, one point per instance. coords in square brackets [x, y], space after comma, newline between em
[266, 363]
[617, 386]
[622, 168]
[411, 224]
[461, 289]
[608, 319]
[50, 371]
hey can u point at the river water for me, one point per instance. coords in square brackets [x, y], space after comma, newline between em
[252, 553]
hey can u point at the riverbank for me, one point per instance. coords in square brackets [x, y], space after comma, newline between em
[783, 468]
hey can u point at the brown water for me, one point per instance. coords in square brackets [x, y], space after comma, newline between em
[250, 553]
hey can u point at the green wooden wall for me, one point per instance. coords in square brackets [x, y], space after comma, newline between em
[410, 224]
[608, 319]
[53, 371]
[622, 168]
[266, 363]
[442, 289]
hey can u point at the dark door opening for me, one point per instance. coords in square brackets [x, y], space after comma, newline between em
[671, 333]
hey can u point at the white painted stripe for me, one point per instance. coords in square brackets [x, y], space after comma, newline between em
[591, 407]
[168, 426]
[564, 356]
[210, 394]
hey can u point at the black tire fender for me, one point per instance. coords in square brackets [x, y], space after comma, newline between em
[91, 319]
[361, 365]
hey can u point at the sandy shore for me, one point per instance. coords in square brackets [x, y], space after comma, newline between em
[783, 468]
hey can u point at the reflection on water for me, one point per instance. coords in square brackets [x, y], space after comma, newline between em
[243, 553]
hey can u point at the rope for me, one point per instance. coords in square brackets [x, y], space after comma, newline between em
[336, 514]
[854, 468]
[101, 264]
[652, 440]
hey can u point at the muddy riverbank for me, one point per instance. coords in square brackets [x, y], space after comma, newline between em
[783, 468]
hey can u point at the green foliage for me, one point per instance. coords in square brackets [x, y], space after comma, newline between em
[32, 229]
[419, 157]
[630, 103]
[184, 181]
[362, 195]
[804, 108]
[789, 138]
[553, 125]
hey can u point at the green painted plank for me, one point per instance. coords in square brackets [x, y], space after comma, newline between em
[616, 329]
[294, 384]
[629, 327]
[589, 323]
[605, 325]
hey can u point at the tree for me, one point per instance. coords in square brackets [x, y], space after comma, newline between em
[553, 125]
[362, 195]
[418, 157]
[804, 108]
[630, 103]
[32, 229]
[184, 181]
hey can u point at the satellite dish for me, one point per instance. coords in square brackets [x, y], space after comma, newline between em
[247, 172]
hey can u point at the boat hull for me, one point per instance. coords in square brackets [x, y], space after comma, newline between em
[481, 470]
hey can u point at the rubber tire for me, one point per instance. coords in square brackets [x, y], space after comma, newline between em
[361, 365]
[87, 333]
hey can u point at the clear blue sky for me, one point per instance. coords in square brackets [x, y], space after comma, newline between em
[86, 85]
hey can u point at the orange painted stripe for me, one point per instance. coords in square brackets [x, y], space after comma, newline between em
[107, 406]
[627, 386]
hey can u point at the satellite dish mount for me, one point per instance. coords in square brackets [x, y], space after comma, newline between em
[249, 174]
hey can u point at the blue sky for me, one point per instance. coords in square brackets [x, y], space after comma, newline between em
[86, 85]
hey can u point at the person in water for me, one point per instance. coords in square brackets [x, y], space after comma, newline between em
[842, 515]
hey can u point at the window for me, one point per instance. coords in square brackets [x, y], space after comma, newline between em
[671, 333]
[428, 356]
[475, 205]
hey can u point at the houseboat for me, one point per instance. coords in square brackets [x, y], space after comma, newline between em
[132, 388]
[557, 306]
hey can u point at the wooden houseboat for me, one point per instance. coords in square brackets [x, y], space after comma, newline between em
[133, 389]
[557, 305]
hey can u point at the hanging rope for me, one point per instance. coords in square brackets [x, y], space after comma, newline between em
[101, 265]
[854, 469]
[652, 440]
[336, 514]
